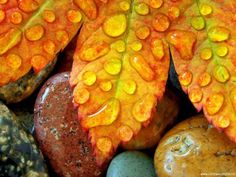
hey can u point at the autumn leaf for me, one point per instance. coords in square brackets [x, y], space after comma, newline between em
[203, 45]
[32, 32]
[119, 72]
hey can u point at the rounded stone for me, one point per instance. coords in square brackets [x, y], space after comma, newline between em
[131, 164]
[185, 150]
[59, 133]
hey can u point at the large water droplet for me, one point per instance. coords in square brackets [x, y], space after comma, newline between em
[157, 48]
[106, 115]
[222, 50]
[206, 54]
[81, 95]
[49, 16]
[185, 78]
[105, 86]
[205, 9]
[89, 78]
[14, 61]
[113, 66]
[221, 73]
[161, 22]
[214, 103]
[195, 95]
[198, 23]
[129, 86]
[74, 16]
[204, 79]
[125, 133]
[34, 33]
[218, 34]
[104, 145]
[16, 18]
[143, 32]
[28, 5]
[141, 8]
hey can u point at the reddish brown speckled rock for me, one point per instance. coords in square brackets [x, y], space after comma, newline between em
[59, 134]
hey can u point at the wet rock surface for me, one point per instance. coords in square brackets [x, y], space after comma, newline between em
[194, 148]
[19, 154]
[59, 133]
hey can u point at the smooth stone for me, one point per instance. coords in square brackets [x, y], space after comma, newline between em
[195, 148]
[131, 164]
[60, 136]
[165, 115]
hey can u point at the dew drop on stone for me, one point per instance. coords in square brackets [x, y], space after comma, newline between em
[183, 42]
[206, 9]
[81, 95]
[185, 78]
[142, 109]
[2, 15]
[141, 8]
[206, 54]
[218, 34]
[155, 3]
[34, 33]
[105, 115]
[195, 95]
[105, 86]
[221, 73]
[198, 23]
[14, 61]
[214, 103]
[124, 5]
[74, 16]
[89, 78]
[204, 79]
[157, 48]
[142, 67]
[104, 145]
[129, 86]
[49, 47]
[113, 66]
[49, 16]
[115, 26]
[125, 133]
[16, 18]
[222, 50]
[161, 22]
[143, 32]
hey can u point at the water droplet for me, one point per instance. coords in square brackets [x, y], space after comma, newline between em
[218, 34]
[88, 7]
[113, 66]
[2, 15]
[198, 23]
[214, 103]
[115, 26]
[16, 18]
[222, 122]
[142, 67]
[185, 78]
[195, 95]
[206, 54]
[143, 32]
[49, 47]
[34, 33]
[89, 78]
[49, 16]
[14, 61]
[125, 133]
[221, 73]
[105, 86]
[173, 13]
[155, 3]
[124, 5]
[6, 41]
[204, 79]
[222, 50]
[104, 145]
[119, 46]
[157, 48]
[141, 8]
[81, 95]
[183, 42]
[28, 5]
[62, 36]
[129, 86]
[142, 109]
[161, 22]
[3, 1]
[74, 16]
[38, 62]
[206, 9]
[106, 115]
[136, 46]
